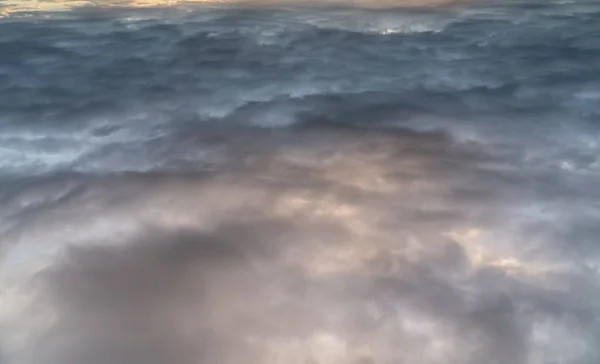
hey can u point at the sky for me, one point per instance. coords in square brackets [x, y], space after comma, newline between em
[10, 6]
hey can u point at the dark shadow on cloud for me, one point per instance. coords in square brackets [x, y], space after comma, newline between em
[132, 304]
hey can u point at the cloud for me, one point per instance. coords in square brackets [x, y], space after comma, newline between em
[315, 186]
[340, 245]
[61, 5]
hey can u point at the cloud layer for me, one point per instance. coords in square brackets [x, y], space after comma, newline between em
[307, 185]
[346, 245]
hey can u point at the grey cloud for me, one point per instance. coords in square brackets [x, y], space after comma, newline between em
[340, 245]
[227, 185]
[132, 304]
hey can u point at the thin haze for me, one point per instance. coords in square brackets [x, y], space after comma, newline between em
[300, 184]
[10, 6]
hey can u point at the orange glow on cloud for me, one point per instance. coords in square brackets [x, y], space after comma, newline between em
[12, 6]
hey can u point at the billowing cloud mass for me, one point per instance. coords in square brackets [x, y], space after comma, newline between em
[199, 185]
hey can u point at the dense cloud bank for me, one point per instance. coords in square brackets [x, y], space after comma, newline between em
[320, 185]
